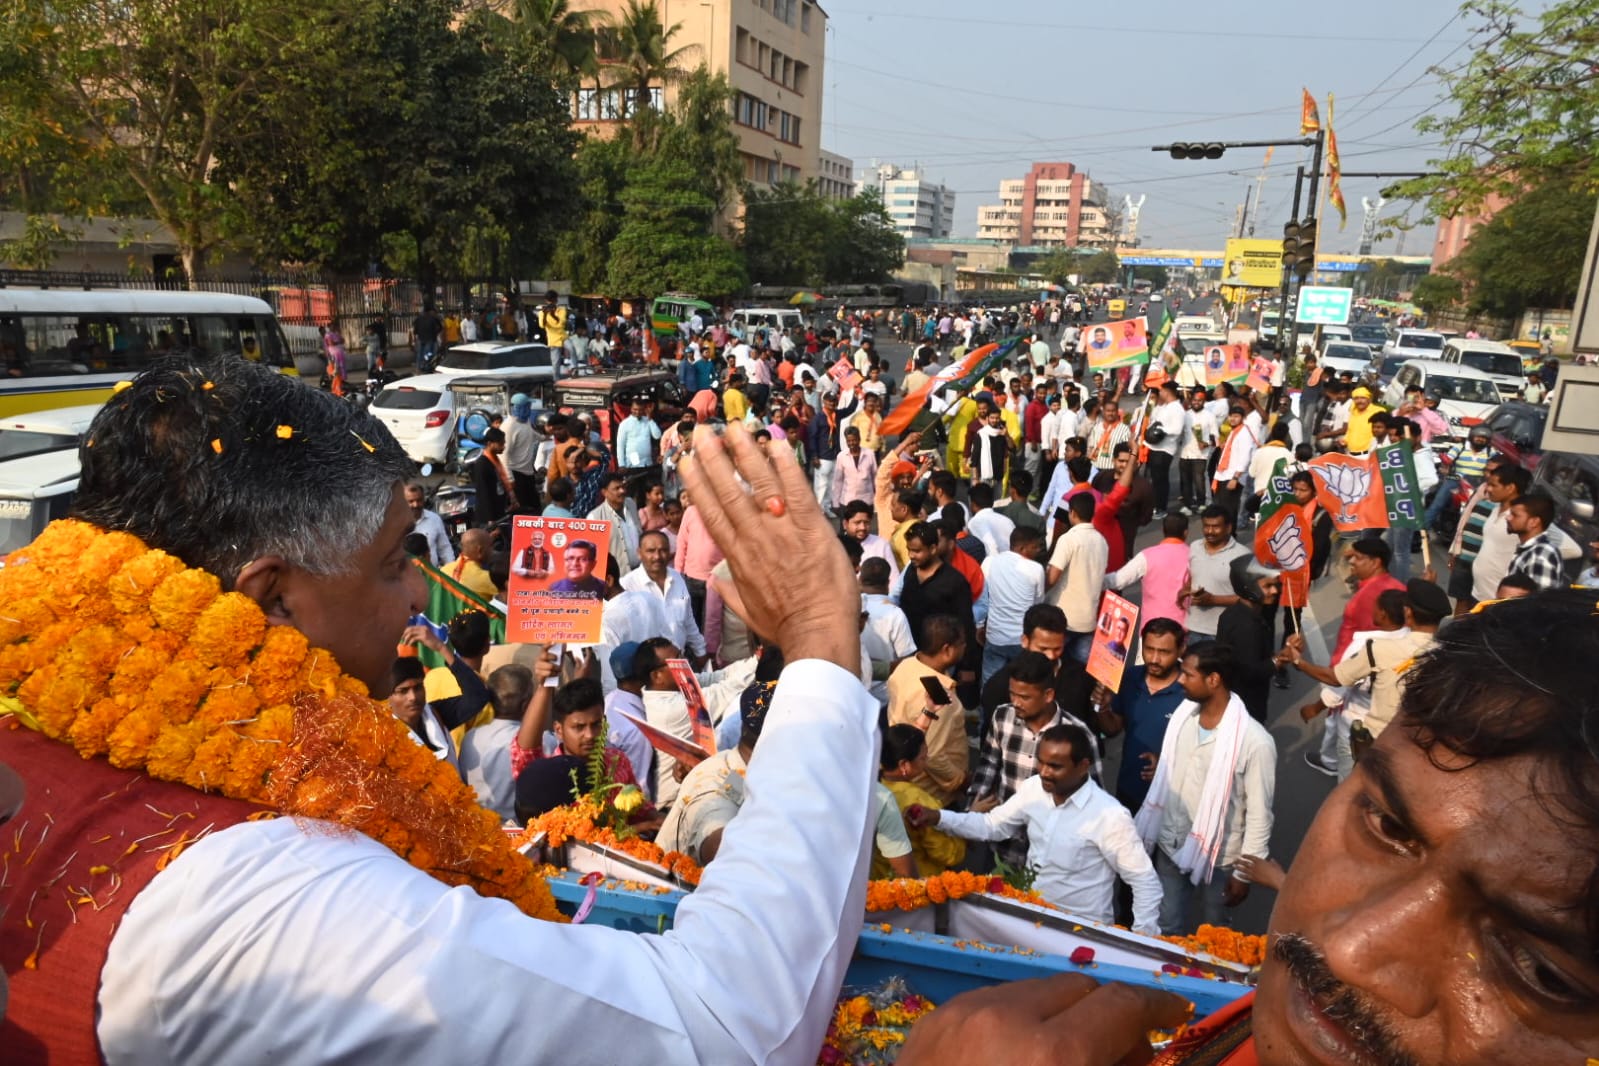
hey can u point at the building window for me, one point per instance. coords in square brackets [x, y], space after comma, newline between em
[805, 17]
[802, 78]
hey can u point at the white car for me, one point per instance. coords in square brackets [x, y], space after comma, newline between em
[511, 358]
[1338, 357]
[45, 431]
[1465, 396]
[1499, 361]
[420, 412]
[1416, 343]
[747, 319]
[1186, 324]
[1336, 333]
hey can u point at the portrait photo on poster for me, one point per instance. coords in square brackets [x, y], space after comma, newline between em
[557, 580]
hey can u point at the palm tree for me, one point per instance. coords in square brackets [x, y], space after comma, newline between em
[640, 54]
[571, 35]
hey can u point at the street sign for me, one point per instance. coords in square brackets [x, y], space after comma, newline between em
[1324, 305]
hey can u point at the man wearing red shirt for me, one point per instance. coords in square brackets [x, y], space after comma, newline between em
[1032, 429]
[1368, 561]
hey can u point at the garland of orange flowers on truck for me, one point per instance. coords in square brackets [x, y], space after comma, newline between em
[126, 652]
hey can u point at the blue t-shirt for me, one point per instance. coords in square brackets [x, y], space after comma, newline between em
[1144, 716]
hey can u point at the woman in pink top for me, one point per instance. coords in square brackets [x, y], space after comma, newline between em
[1163, 571]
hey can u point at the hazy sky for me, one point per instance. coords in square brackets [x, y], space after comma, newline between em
[978, 92]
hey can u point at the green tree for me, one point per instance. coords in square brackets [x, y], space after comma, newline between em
[1436, 292]
[637, 53]
[1059, 265]
[582, 250]
[568, 36]
[1525, 107]
[1102, 267]
[1530, 254]
[786, 232]
[698, 129]
[666, 241]
[865, 246]
[143, 93]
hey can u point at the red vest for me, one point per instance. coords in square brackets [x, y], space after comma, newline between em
[78, 816]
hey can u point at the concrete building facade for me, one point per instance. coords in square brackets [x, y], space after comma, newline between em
[921, 209]
[1055, 205]
[835, 176]
[772, 52]
[1454, 232]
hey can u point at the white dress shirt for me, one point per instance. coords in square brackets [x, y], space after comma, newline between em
[1200, 447]
[1169, 416]
[1079, 846]
[993, 529]
[631, 615]
[278, 941]
[431, 526]
[679, 608]
[1013, 583]
[875, 547]
[886, 636]
[1249, 814]
[486, 764]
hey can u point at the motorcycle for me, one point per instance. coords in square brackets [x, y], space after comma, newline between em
[454, 503]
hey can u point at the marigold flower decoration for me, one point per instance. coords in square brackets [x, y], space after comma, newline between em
[125, 652]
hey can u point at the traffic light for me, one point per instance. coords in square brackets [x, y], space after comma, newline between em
[1299, 246]
[1196, 150]
[1305, 254]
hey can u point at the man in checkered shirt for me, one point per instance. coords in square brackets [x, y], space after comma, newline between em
[1011, 745]
[1537, 557]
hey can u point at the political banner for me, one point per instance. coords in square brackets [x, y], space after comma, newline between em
[1283, 536]
[1260, 371]
[1401, 488]
[686, 752]
[1351, 491]
[1253, 263]
[557, 587]
[845, 374]
[699, 717]
[1113, 637]
[1226, 363]
[1111, 345]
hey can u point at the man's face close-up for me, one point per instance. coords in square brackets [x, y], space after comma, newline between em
[1216, 531]
[1435, 914]
[858, 525]
[578, 564]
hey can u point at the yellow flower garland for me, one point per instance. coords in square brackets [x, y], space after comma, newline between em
[126, 652]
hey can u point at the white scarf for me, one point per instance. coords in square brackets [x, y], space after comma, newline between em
[1197, 857]
[987, 446]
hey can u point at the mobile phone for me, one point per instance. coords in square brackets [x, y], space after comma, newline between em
[935, 691]
[559, 651]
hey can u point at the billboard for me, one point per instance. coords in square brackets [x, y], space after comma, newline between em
[1253, 263]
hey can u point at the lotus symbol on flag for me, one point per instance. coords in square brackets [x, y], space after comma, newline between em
[1348, 485]
[1288, 545]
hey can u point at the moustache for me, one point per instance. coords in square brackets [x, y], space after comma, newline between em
[1343, 1006]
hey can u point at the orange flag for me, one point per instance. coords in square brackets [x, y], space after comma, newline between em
[1351, 491]
[1309, 118]
[1335, 169]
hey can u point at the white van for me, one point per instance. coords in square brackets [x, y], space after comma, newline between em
[1499, 361]
[748, 319]
[38, 471]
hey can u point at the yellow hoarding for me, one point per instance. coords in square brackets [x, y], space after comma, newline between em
[1253, 263]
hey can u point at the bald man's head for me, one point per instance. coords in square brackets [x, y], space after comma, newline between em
[475, 545]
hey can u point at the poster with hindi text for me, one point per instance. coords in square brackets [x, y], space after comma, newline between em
[1113, 640]
[556, 589]
[845, 374]
[699, 716]
[1260, 370]
[1226, 363]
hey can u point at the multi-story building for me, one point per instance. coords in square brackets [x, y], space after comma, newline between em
[920, 209]
[1454, 232]
[835, 176]
[771, 51]
[1055, 205]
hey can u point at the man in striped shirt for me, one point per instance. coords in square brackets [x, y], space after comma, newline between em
[1467, 462]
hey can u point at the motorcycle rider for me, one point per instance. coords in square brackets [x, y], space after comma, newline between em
[1466, 463]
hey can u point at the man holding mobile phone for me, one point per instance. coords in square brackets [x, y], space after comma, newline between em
[921, 693]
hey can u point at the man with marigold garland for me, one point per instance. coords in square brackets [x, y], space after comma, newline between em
[217, 622]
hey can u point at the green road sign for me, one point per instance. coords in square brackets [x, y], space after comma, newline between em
[1324, 305]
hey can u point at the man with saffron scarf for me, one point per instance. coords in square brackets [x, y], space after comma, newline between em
[282, 940]
[1441, 908]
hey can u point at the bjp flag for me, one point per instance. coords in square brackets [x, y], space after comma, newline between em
[1283, 537]
[1351, 491]
[1309, 117]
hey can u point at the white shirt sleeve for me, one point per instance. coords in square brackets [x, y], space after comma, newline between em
[1126, 854]
[270, 943]
[1127, 575]
[1002, 823]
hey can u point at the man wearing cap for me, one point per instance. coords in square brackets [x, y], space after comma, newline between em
[1357, 439]
[628, 698]
[521, 449]
[1381, 662]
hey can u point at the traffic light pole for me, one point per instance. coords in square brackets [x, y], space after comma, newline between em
[1288, 269]
[1315, 183]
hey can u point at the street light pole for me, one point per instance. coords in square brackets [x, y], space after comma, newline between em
[1288, 268]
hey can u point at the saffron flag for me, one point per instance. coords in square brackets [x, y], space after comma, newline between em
[959, 376]
[1309, 119]
[1351, 491]
[1335, 169]
[1283, 537]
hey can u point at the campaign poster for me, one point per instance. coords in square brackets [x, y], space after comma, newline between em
[845, 374]
[699, 716]
[557, 580]
[1116, 344]
[1260, 369]
[1226, 363]
[685, 752]
[1114, 634]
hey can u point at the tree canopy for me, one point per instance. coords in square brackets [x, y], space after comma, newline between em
[1525, 107]
[793, 235]
[1530, 254]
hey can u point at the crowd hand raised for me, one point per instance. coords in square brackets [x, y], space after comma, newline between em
[1068, 1018]
[791, 582]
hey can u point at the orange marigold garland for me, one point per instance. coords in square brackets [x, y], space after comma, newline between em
[125, 652]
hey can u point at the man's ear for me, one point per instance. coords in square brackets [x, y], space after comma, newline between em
[267, 581]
